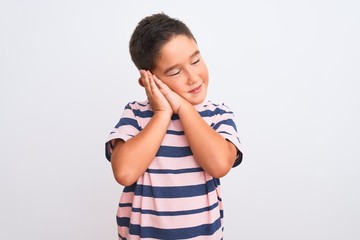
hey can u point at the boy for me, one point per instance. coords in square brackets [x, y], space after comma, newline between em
[170, 151]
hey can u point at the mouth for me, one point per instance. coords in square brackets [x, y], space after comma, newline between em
[197, 89]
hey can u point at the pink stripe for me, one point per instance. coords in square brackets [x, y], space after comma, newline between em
[117, 135]
[143, 121]
[126, 129]
[170, 222]
[124, 232]
[175, 204]
[227, 128]
[124, 211]
[128, 113]
[127, 197]
[174, 163]
[171, 180]
[209, 120]
[175, 125]
[175, 140]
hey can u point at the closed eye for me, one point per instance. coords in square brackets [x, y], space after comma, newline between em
[174, 74]
[195, 62]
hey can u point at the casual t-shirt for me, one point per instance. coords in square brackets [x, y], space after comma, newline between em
[174, 198]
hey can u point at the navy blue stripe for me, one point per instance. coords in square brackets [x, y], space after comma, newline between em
[225, 132]
[173, 152]
[143, 114]
[171, 171]
[123, 221]
[175, 117]
[175, 192]
[211, 113]
[216, 181]
[176, 213]
[125, 204]
[173, 132]
[128, 121]
[130, 188]
[136, 103]
[207, 113]
[172, 234]
[229, 122]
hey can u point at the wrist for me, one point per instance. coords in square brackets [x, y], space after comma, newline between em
[184, 107]
[163, 114]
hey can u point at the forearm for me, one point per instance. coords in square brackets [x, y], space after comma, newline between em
[130, 159]
[212, 152]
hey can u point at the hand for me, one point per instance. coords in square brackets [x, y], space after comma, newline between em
[174, 99]
[156, 98]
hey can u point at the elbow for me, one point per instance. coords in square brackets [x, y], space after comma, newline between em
[222, 168]
[122, 174]
[220, 171]
[124, 179]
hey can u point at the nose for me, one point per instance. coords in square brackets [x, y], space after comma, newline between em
[192, 77]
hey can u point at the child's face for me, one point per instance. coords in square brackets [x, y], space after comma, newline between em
[181, 67]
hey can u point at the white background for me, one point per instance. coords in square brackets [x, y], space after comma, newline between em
[288, 69]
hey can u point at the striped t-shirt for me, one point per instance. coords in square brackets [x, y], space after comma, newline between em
[174, 198]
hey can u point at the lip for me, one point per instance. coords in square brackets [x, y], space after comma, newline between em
[197, 89]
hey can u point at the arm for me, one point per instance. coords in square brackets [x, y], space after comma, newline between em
[213, 152]
[130, 159]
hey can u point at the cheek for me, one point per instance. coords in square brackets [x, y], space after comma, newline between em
[204, 74]
[175, 86]
[171, 83]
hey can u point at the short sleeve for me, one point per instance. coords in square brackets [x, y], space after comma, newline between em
[224, 124]
[126, 128]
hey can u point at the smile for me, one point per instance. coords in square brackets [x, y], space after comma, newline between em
[196, 90]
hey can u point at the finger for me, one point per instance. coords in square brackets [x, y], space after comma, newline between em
[142, 76]
[145, 80]
[152, 83]
[160, 84]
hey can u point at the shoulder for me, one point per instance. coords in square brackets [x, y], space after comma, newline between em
[140, 105]
[140, 109]
[215, 108]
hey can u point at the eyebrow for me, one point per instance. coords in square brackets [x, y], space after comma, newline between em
[197, 52]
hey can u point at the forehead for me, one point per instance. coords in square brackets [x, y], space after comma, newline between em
[176, 51]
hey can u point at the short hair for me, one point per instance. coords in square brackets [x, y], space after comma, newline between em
[150, 35]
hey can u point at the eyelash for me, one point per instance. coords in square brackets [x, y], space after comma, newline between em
[171, 75]
[180, 71]
[196, 62]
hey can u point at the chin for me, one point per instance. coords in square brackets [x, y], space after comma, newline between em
[197, 101]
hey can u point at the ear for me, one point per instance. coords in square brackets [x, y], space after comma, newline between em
[140, 82]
